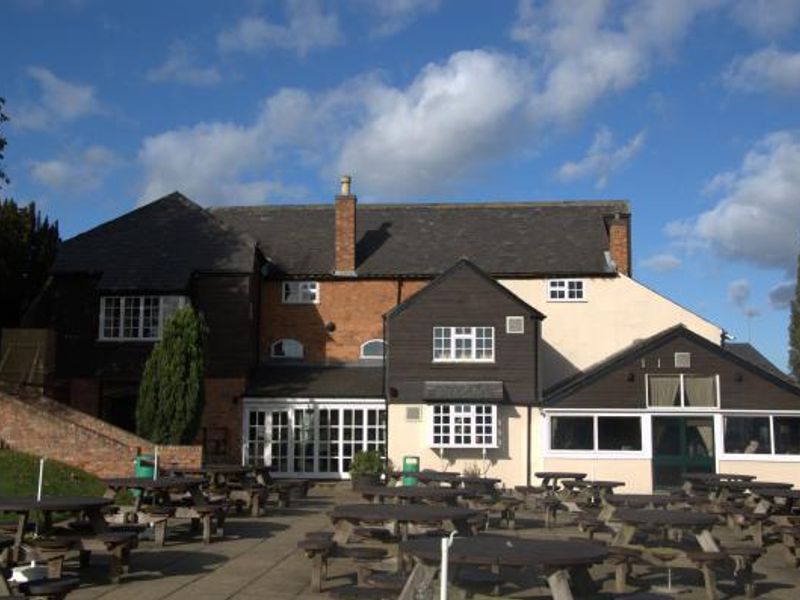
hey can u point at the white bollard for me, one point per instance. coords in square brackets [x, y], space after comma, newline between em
[446, 543]
[41, 480]
[155, 463]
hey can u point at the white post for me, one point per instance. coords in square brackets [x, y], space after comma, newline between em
[446, 543]
[41, 480]
[155, 463]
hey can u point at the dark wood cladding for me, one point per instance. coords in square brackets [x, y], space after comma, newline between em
[228, 304]
[75, 307]
[463, 298]
[742, 387]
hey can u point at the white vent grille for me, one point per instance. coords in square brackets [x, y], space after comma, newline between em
[683, 360]
[413, 413]
[515, 324]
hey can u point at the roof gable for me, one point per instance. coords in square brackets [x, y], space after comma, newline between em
[463, 265]
[623, 359]
[157, 247]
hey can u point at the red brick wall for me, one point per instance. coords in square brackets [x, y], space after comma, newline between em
[619, 243]
[222, 420]
[346, 234]
[355, 307]
[46, 428]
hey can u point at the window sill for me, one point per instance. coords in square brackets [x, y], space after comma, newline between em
[128, 340]
[600, 454]
[462, 447]
[581, 301]
[463, 362]
[772, 458]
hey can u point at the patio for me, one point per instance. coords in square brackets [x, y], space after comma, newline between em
[259, 559]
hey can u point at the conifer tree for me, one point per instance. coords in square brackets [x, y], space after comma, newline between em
[171, 391]
[794, 329]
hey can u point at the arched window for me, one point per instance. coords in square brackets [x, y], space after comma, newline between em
[373, 349]
[286, 348]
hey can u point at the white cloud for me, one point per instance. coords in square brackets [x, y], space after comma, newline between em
[758, 218]
[602, 158]
[451, 118]
[79, 171]
[180, 66]
[781, 295]
[59, 101]
[739, 292]
[766, 70]
[661, 263]
[394, 15]
[308, 27]
[767, 18]
[586, 54]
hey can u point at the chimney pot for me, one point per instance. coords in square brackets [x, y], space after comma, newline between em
[345, 181]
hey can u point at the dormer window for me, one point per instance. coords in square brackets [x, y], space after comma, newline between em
[463, 344]
[566, 290]
[373, 349]
[286, 348]
[300, 292]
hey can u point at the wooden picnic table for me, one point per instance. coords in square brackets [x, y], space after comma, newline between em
[671, 549]
[162, 505]
[246, 485]
[409, 494]
[550, 479]
[639, 500]
[590, 490]
[717, 477]
[96, 538]
[564, 563]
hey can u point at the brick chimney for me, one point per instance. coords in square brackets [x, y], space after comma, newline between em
[619, 242]
[345, 230]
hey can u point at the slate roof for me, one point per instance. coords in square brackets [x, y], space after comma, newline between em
[157, 247]
[553, 238]
[749, 353]
[309, 381]
[747, 357]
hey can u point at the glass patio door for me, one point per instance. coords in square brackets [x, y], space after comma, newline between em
[681, 445]
[312, 440]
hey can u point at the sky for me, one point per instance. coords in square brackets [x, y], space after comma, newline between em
[688, 109]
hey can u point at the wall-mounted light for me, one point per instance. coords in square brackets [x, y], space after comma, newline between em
[631, 377]
[330, 326]
[393, 392]
[235, 399]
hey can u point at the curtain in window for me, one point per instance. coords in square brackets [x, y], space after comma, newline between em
[699, 391]
[665, 391]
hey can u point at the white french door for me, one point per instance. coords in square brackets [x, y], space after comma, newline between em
[315, 439]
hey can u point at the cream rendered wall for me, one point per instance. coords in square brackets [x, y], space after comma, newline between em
[412, 438]
[764, 470]
[636, 473]
[617, 312]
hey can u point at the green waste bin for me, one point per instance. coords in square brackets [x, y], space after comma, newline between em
[410, 465]
[144, 466]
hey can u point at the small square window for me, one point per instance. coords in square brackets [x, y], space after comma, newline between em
[683, 360]
[300, 292]
[515, 325]
[566, 290]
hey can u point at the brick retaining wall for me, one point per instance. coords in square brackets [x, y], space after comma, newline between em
[47, 428]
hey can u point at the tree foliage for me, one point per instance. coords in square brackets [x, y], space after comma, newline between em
[28, 247]
[794, 329]
[4, 180]
[171, 391]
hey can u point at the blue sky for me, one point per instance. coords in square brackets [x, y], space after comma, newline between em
[687, 108]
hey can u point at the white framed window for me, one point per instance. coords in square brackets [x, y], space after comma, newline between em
[754, 436]
[566, 290]
[615, 435]
[686, 391]
[464, 426]
[373, 349]
[463, 344]
[286, 348]
[136, 318]
[515, 325]
[300, 292]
